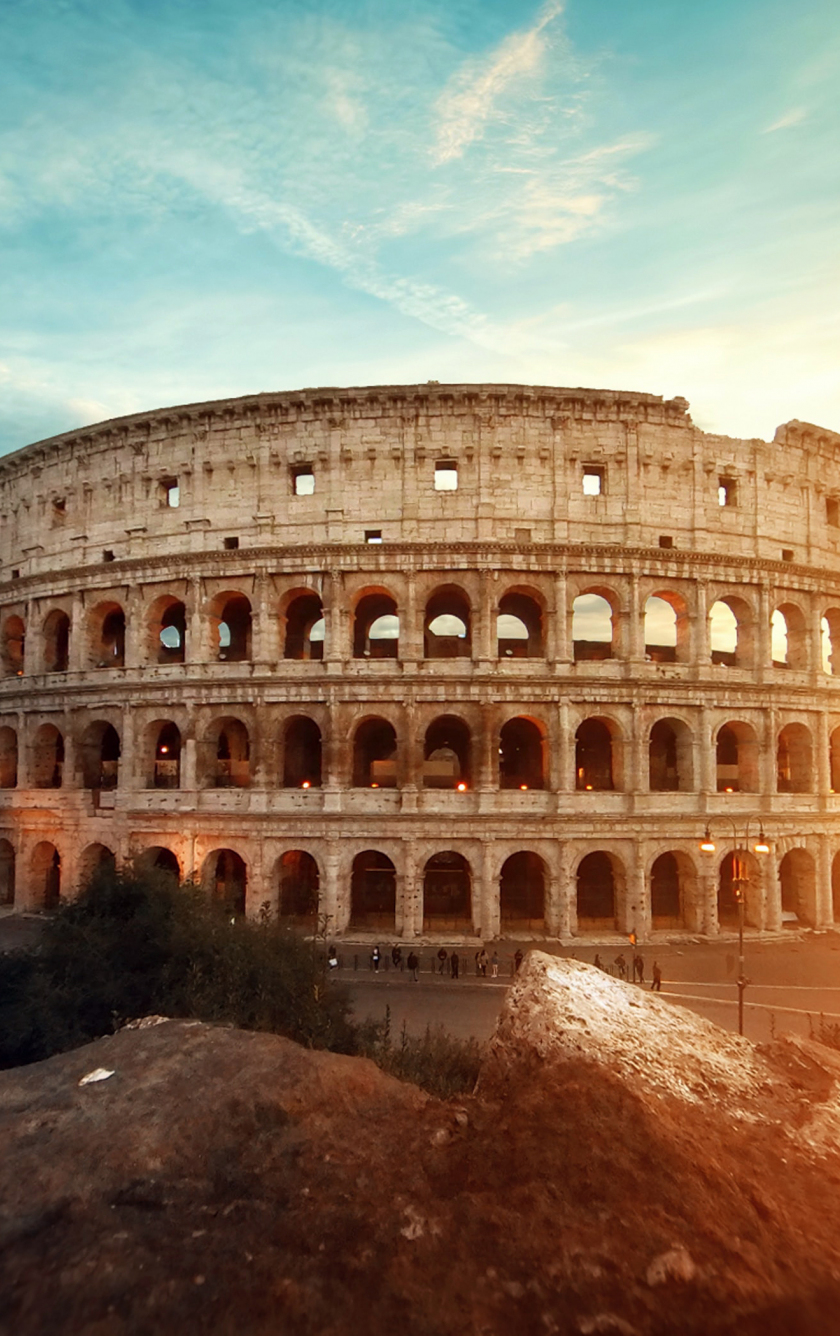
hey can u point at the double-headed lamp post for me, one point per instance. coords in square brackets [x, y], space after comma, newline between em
[740, 877]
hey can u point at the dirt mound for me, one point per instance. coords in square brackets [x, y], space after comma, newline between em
[623, 1167]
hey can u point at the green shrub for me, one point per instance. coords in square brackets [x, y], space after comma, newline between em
[440, 1064]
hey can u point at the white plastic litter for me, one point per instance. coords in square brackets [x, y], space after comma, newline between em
[98, 1074]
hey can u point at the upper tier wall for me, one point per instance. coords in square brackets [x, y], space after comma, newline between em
[520, 452]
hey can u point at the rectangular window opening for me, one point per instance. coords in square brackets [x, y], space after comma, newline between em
[231, 544]
[787, 554]
[60, 506]
[832, 511]
[15, 574]
[373, 535]
[522, 535]
[446, 476]
[666, 540]
[593, 480]
[303, 479]
[170, 492]
[107, 555]
[727, 492]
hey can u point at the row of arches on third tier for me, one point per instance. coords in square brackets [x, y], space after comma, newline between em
[598, 629]
[599, 885]
[450, 755]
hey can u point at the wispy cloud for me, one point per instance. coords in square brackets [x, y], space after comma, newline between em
[786, 122]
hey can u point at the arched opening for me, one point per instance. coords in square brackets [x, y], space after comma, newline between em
[669, 757]
[597, 892]
[736, 752]
[231, 619]
[167, 763]
[298, 889]
[228, 755]
[301, 753]
[446, 626]
[447, 754]
[668, 892]
[834, 760]
[107, 636]
[519, 629]
[830, 641]
[794, 760]
[13, 646]
[375, 755]
[167, 630]
[447, 899]
[797, 880]
[788, 637]
[666, 629]
[835, 888]
[225, 878]
[373, 892]
[46, 876]
[592, 627]
[57, 642]
[304, 638]
[7, 873]
[732, 633]
[160, 861]
[95, 858]
[594, 755]
[376, 627]
[100, 756]
[521, 755]
[8, 758]
[739, 876]
[522, 893]
[47, 758]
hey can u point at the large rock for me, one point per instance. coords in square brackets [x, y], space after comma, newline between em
[623, 1167]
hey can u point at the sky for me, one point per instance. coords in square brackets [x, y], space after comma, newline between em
[205, 198]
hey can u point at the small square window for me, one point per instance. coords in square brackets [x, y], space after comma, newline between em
[107, 555]
[170, 492]
[832, 511]
[787, 554]
[60, 507]
[373, 535]
[593, 481]
[522, 535]
[665, 540]
[446, 476]
[727, 492]
[15, 574]
[231, 544]
[303, 480]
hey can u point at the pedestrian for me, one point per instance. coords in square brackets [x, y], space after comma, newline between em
[597, 962]
[332, 958]
[639, 967]
[454, 964]
[481, 958]
[621, 965]
[517, 960]
[656, 986]
[413, 965]
[396, 957]
[494, 965]
[441, 959]
[374, 959]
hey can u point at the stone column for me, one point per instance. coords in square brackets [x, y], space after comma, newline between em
[764, 640]
[707, 892]
[329, 891]
[131, 758]
[411, 629]
[772, 889]
[824, 910]
[564, 774]
[263, 751]
[488, 747]
[134, 630]
[639, 777]
[189, 762]
[337, 645]
[410, 901]
[637, 916]
[633, 646]
[823, 746]
[557, 647]
[705, 754]
[198, 631]
[484, 646]
[701, 640]
[334, 756]
[77, 653]
[767, 763]
[265, 640]
[487, 922]
[557, 894]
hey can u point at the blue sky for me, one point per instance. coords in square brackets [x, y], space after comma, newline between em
[202, 198]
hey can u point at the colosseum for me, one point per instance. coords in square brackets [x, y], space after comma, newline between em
[474, 660]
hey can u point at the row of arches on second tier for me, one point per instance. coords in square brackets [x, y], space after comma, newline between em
[449, 756]
[598, 619]
[599, 880]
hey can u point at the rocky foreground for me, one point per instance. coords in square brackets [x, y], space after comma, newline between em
[623, 1167]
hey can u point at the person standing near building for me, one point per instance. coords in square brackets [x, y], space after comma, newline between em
[375, 957]
[442, 959]
[494, 966]
[656, 986]
[454, 964]
[413, 964]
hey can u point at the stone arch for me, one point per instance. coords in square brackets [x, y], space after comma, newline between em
[522, 893]
[447, 893]
[835, 888]
[164, 745]
[298, 881]
[226, 755]
[376, 626]
[166, 627]
[595, 623]
[789, 637]
[732, 632]
[670, 757]
[737, 758]
[447, 754]
[45, 876]
[794, 760]
[301, 753]
[447, 632]
[830, 641]
[12, 646]
[666, 628]
[595, 759]
[303, 626]
[522, 748]
[47, 758]
[224, 876]
[8, 758]
[159, 860]
[600, 877]
[231, 627]
[834, 760]
[7, 872]
[673, 892]
[106, 635]
[373, 892]
[56, 641]
[95, 858]
[519, 626]
[375, 755]
[99, 755]
[798, 888]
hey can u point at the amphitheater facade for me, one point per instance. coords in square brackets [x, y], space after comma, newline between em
[473, 660]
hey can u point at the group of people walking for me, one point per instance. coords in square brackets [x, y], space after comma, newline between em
[448, 963]
[637, 969]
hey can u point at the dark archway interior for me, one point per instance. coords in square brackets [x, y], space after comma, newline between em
[447, 892]
[375, 755]
[373, 892]
[521, 755]
[596, 888]
[57, 642]
[522, 893]
[664, 770]
[235, 630]
[665, 892]
[228, 881]
[374, 624]
[168, 757]
[446, 754]
[593, 756]
[299, 882]
[302, 754]
[303, 614]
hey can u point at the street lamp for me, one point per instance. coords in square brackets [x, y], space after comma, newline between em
[740, 877]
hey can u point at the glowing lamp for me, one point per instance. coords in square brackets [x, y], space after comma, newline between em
[374, 785]
[305, 784]
[707, 844]
[729, 790]
[761, 846]
[164, 750]
[589, 788]
[462, 788]
[523, 787]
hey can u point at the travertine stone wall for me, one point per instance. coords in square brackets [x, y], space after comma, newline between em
[89, 529]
